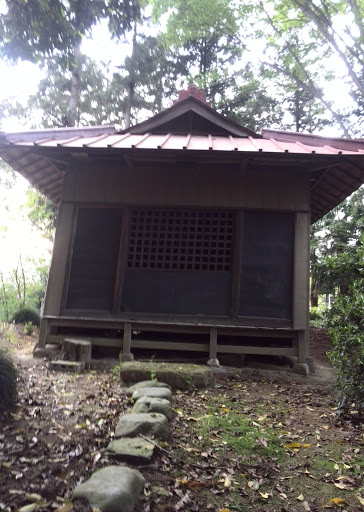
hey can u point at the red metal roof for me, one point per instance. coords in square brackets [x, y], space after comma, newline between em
[184, 142]
[336, 165]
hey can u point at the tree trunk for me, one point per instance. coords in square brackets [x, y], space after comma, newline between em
[73, 104]
[131, 83]
[76, 350]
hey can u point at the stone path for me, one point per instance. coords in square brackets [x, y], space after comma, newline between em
[117, 488]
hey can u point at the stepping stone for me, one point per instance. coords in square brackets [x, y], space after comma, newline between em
[177, 375]
[131, 449]
[164, 393]
[112, 489]
[153, 424]
[146, 384]
[149, 404]
[70, 366]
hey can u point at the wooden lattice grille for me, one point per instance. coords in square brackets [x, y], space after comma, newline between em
[180, 240]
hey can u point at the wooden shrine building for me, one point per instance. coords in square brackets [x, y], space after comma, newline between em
[186, 232]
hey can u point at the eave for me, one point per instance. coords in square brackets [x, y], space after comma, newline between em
[44, 157]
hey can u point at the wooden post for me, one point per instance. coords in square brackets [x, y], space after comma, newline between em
[126, 355]
[43, 333]
[76, 350]
[122, 258]
[213, 361]
[235, 292]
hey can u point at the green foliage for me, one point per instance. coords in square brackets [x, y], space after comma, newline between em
[237, 429]
[346, 322]
[28, 328]
[116, 371]
[26, 316]
[8, 383]
[315, 314]
[8, 333]
[22, 289]
[33, 29]
[336, 259]
[41, 212]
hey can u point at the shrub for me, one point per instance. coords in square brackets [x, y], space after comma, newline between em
[315, 313]
[346, 326]
[8, 376]
[26, 315]
[28, 328]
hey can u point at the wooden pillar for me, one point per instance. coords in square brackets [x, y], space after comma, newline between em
[43, 333]
[302, 346]
[123, 249]
[301, 280]
[60, 260]
[126, 355]
[238, 249]
[213, 361]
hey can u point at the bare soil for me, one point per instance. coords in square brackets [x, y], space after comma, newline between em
[56, 437]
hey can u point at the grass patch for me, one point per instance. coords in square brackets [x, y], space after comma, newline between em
[269, 458]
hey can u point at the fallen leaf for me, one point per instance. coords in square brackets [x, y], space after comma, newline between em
[183, 501]
[361, 500]
[264, 495]
[28, 508]
[306, 506]
[335, 502]
[292, 446]
[33, 497]
[227, 482]
[67, 507]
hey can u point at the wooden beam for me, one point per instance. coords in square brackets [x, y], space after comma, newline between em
[301, 272]
[122, 261]
[238, 249]
[213, 344]
[127, 340]
[52, 304]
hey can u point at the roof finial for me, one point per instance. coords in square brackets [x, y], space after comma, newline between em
[193, 90]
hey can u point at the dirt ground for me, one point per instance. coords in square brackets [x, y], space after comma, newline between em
[57, 437]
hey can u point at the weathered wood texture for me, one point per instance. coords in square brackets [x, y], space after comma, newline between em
[57, 273]
[76, 350]
[94, 259]
[190, 186]
[301, 271]
[266, 265]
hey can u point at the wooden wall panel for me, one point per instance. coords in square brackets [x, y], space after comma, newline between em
[302, 192]
[270, 190]
[53, 299]
[286, 199]
[254, 189]
[189, 186]
[238, 188]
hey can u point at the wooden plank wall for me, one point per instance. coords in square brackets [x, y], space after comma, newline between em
[188, 186]
[57, 272]
[232, 188]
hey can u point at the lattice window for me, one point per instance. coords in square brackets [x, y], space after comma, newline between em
[180, 239]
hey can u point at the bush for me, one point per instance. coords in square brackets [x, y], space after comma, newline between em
[8, 376]
[346, 326]
[315, 313]
[26, 315]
